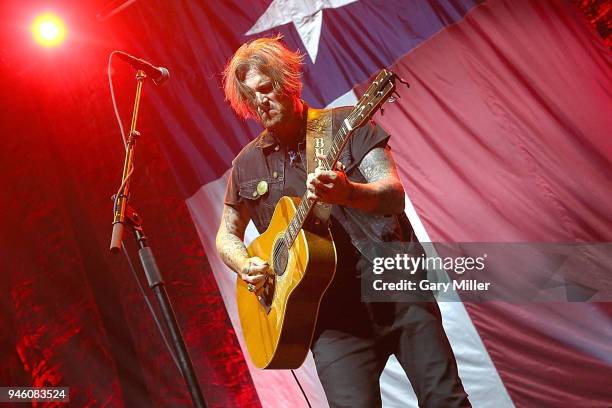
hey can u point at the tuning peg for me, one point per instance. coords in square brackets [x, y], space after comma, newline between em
[403, 81]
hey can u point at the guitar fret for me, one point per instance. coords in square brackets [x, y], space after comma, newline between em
[340, 134]
[347, 123]
[327, 163]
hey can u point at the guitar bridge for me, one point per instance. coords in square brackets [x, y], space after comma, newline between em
[265, 295]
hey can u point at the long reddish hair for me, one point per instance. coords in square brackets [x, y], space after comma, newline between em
[272, 58]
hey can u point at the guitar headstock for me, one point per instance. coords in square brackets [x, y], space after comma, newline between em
[377, 93]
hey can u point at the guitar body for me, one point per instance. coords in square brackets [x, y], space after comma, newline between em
[278, 320]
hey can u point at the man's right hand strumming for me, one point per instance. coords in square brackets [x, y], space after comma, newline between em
[254, 271]
[232, 250]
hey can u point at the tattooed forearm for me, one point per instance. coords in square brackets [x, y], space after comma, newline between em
[383, 193]
[232, 251]
[229, 238]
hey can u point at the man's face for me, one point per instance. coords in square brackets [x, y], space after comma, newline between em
[272, 108]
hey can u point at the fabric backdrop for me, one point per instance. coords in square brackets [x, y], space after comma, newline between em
[502, 137]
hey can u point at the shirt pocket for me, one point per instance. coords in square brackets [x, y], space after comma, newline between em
[256, 191]
[260, 201]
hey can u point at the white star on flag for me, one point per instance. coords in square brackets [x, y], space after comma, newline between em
[306, 16]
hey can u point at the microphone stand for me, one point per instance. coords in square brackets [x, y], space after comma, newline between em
[125, 216]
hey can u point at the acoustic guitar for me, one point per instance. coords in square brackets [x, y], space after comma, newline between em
[278, 319]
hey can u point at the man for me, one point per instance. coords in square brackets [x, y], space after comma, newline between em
[353, 340]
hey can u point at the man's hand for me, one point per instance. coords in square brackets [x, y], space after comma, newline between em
[381, 194]
[329, 186]
[254, 271]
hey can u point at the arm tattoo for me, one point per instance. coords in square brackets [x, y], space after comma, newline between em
[383, 192]
[229, 238]
[234, 224]
[378, 164]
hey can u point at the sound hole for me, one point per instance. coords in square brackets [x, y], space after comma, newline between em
[280, 255]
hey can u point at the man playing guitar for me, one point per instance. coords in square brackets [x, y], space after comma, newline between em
[353, 339]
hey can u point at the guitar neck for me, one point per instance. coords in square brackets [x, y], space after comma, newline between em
[303, 210]
[376, 94]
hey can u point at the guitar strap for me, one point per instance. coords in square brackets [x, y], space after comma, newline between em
[319, 137]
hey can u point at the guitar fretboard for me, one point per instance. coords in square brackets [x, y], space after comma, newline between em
[305, 206]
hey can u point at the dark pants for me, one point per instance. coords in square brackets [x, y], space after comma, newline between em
[351, 349]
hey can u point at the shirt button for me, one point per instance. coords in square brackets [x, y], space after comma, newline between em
[254, 193]
[277, 148]
[275, 174]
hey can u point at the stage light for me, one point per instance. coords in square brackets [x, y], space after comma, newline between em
[48, 30]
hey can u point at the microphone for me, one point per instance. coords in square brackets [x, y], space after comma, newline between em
[159, 75]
